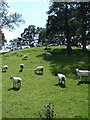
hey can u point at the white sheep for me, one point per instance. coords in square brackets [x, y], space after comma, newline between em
[21, 67]
[61, 78]
[48, 54]
[16, 81]
[4, 68]
[83, 73]
[39, 69]
[25, 57]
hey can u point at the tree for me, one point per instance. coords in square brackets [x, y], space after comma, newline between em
[70, 20]
[2, 38]
[61, 21]
[28, 35]
[41, 34]
[83, 17]
[8, 19]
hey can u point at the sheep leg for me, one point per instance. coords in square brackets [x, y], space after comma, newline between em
[64, 82]
[14, 84]
[19, 84]
[89, 76]
[81, 77]
[59, 81]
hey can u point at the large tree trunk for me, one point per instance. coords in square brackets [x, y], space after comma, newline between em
[83, 32]
[84, 38]
[67, 31]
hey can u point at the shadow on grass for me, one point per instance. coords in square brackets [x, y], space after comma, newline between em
[83, 82]
[38, 73]
[61, 62]
[15, 89]
[60, 85]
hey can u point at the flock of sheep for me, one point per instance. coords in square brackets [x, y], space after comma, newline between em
[39, 70]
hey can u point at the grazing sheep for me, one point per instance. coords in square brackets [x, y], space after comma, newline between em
[83, 73]
[48, 54]
[4, 68]
[16, 81]
[61, 77]
[39, 69]
[21, 67]
[25, 57]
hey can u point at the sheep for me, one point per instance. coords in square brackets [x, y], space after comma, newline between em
[25, 57]
[21, 67]
[39, 69]
[16, 81]
[61, 77]
[48, 54]
[4, 68]
[83, 73]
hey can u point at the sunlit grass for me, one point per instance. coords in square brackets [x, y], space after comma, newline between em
[39, 90]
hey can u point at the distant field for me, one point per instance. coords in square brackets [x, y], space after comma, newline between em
[36, 91]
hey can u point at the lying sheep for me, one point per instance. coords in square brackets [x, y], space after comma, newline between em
[39, 69]
[25, 57]
[21, 67]
[4, 68]
[61, 78]
[16, 81]
[83, 73]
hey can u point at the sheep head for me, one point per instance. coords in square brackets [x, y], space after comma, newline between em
[11, 76]
[77, 69]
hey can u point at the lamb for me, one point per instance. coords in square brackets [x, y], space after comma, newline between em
[21, 67]
[61, 77]
[25, 57]
[4, 68]
[83, 73]
[39, 69]
[16, 81]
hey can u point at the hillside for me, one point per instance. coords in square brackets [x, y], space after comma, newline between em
[70, 101]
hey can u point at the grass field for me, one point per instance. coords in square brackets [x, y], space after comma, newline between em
[36, 91]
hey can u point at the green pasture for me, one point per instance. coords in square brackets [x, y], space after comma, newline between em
[70, 101]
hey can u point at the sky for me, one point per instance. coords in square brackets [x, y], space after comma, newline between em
[33, 12]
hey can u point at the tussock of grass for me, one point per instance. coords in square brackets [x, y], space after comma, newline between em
[36, 91]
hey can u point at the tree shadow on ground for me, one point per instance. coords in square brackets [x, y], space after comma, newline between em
[67, 63]
[83, 82]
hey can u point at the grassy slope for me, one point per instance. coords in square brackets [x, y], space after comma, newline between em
[0, 87]
[39, 90]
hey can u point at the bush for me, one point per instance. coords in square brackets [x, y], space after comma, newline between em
[48, 112]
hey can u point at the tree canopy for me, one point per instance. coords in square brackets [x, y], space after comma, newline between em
[8, 19]
[70, 20]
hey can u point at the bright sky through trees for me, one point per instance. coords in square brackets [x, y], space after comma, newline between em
[33, 12]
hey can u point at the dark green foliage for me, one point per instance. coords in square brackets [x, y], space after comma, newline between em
[7, 19]
[48, 112]
[2, 38]
[70, 21]
[28, 34]
[42, 34]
